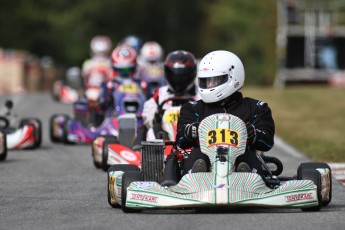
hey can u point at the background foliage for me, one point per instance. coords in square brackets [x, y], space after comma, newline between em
[63, 29]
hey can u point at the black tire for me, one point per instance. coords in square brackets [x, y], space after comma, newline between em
[108, 140]
[51, 128]
[120, 167]
[38, 129]
[315, 176]
[3, 155]
[95, 163]
[127, 179]
[65, 133]
[315, 165]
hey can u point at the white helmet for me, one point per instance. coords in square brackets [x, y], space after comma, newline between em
[100, 46]
[151, 52]
[220, 74]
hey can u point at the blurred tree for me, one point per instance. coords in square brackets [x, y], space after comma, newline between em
[246, 28]
[63, 29]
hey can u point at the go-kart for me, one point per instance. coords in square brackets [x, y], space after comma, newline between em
[23, 134]
[107, 151]
[222, 138]
[66, 90]
[64, 93]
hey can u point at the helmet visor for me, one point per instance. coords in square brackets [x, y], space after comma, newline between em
[211, 82]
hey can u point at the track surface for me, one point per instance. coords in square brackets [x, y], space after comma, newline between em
[57, 187]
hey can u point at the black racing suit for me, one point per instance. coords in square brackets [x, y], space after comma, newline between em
[248, 109]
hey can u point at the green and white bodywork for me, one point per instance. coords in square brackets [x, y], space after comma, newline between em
[223, 186]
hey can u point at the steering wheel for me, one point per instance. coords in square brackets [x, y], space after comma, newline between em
[4, 123]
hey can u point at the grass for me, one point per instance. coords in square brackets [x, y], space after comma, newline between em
[310, 118]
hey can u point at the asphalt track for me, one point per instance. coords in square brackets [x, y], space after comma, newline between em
[57, 187]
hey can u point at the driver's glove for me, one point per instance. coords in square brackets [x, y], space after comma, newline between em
[251, 133]
[149, 111]
[191, 131]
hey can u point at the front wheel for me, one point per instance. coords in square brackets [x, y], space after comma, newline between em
[315, 177]
[55, 128]
[127, 179]
[327, 181]
[111, 180]
[93, 154]
[65, 133]
[107, 141]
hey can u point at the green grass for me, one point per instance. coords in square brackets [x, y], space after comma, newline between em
[310, 118]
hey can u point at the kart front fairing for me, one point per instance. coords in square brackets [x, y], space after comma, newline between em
[222, 186]
[77, 133]
[23, 137]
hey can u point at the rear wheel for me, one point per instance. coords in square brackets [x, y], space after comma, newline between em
[3, 146]
[127, 179]
[108, 140]
[314, 176]
[65, 132]
[52, 123]
[315, 165]
[121, 167]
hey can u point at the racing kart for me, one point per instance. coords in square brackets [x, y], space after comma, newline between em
[222, 138]
[130, 97]
[107, 151]
[23, 134]
[66, 90]
[64, 93]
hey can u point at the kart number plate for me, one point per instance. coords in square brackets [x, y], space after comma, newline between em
[155, 72]
[223, 137]
[172, 117]
[129, 88]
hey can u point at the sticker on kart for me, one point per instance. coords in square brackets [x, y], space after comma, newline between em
[171, 117]
[129, 88]
[223, 137]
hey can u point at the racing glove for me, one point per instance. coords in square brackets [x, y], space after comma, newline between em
[191, 131]
[149, 111]
[251, 133]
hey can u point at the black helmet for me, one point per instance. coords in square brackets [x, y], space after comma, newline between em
[180, 70]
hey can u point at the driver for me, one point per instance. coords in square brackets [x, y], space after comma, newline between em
[180, 72]
[124, 64]
[220, 77]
